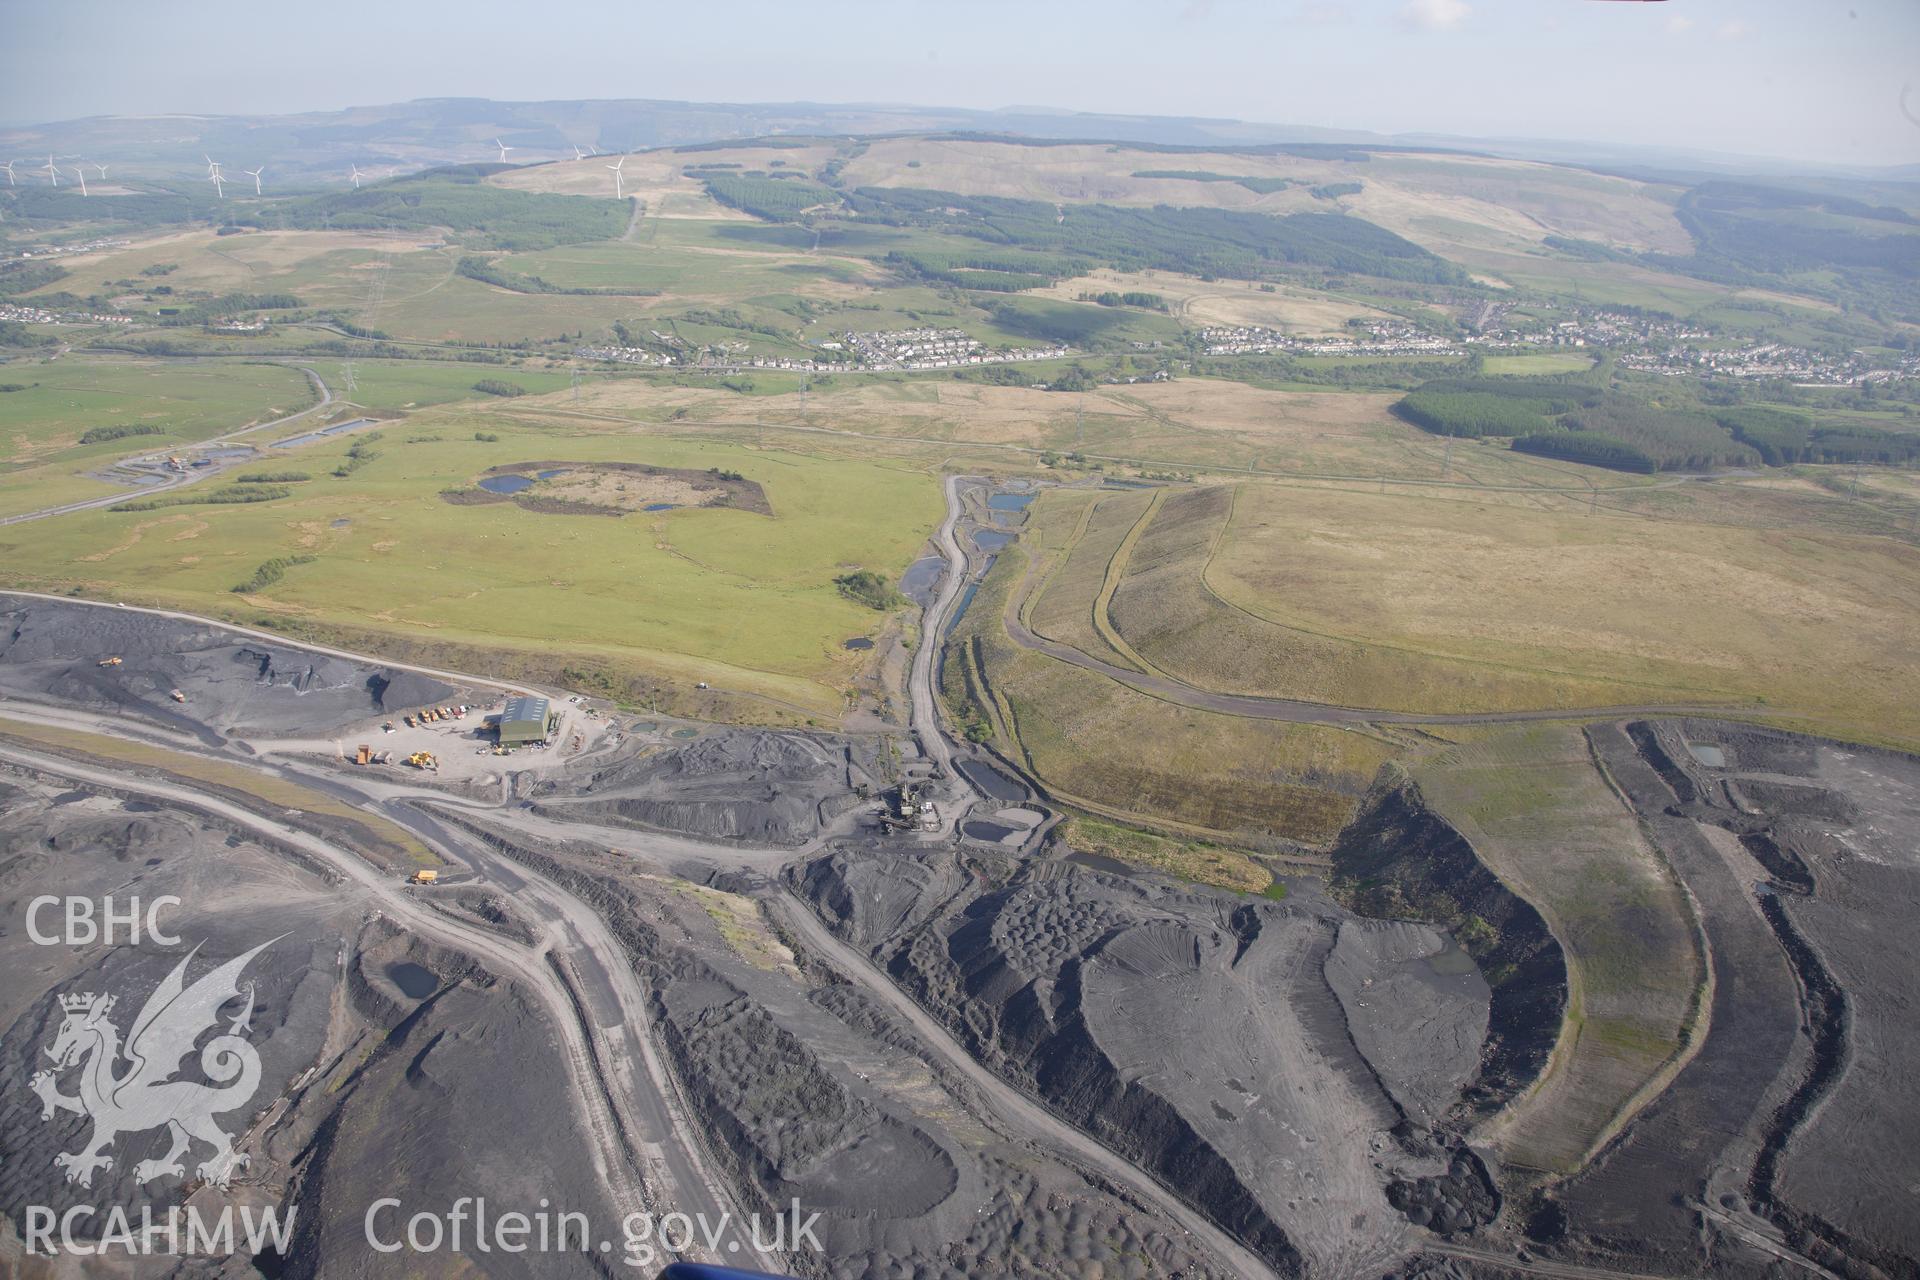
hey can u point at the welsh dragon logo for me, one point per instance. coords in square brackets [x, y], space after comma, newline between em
[129, 1088]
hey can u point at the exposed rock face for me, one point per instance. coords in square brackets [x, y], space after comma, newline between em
[1194, 1031]
[1400, 858]
[811, 1091]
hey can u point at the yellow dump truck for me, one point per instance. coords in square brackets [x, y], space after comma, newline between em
[423, 877]
[423, 760]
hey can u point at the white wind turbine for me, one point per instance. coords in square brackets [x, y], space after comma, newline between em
[218, 179]
[578, 154]
[103, 171]
[619, 192]
[213, 166]
[357, 175]
[81, 171]
[53, 174]
[504, 148]
[8, 166]
[255, 175]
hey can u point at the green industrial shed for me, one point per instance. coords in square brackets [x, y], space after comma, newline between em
[525, 720]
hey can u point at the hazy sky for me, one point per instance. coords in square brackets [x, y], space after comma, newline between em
[1802, 79]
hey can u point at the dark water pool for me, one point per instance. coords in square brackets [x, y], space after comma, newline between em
[991, 831]
[991, 539]
[917, 583]
[660, 506]
[992, 783]
[857, 642]
[1010, 501]
[506, 484]
[960, 609]
[415, 981]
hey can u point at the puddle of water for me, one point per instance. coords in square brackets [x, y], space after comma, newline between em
[917, 582]
[1710, 756]
[686, 733]
[548, 475]
[857, 642]
[1451, 961]
[506, 484]
[414, 981]
[660, 506]
[990, 831]
[341, 523]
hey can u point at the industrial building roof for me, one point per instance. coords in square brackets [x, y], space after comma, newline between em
[531, 710]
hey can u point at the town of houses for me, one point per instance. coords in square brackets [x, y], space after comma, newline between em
[39, 315]
[909, 349]
[1649, 344]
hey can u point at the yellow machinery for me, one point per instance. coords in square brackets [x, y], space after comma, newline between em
[108, 662]
[363, 754]
[176, 695]
[424, 877]
[423, 760]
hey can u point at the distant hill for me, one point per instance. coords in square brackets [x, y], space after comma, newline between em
[318, 147]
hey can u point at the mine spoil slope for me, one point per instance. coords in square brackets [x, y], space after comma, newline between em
[808, 1090]
[1796, 1117]
[234, 683]
[733, 784]
[365, 1089]
[1399, 858]
[1192, 1031]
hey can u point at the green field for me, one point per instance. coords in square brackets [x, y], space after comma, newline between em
[1544, 364]
[1443, 603]
[65, 398]
[742, 600]
[1109, 750]
[393, 385]
[1540, 815]
[684, 272]
[41, 457]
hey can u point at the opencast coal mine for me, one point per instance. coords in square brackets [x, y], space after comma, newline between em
[656, 965]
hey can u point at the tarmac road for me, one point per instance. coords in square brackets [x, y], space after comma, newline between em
[185, 478]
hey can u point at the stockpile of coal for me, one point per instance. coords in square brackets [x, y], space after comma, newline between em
[757, 786]
[230, 683]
